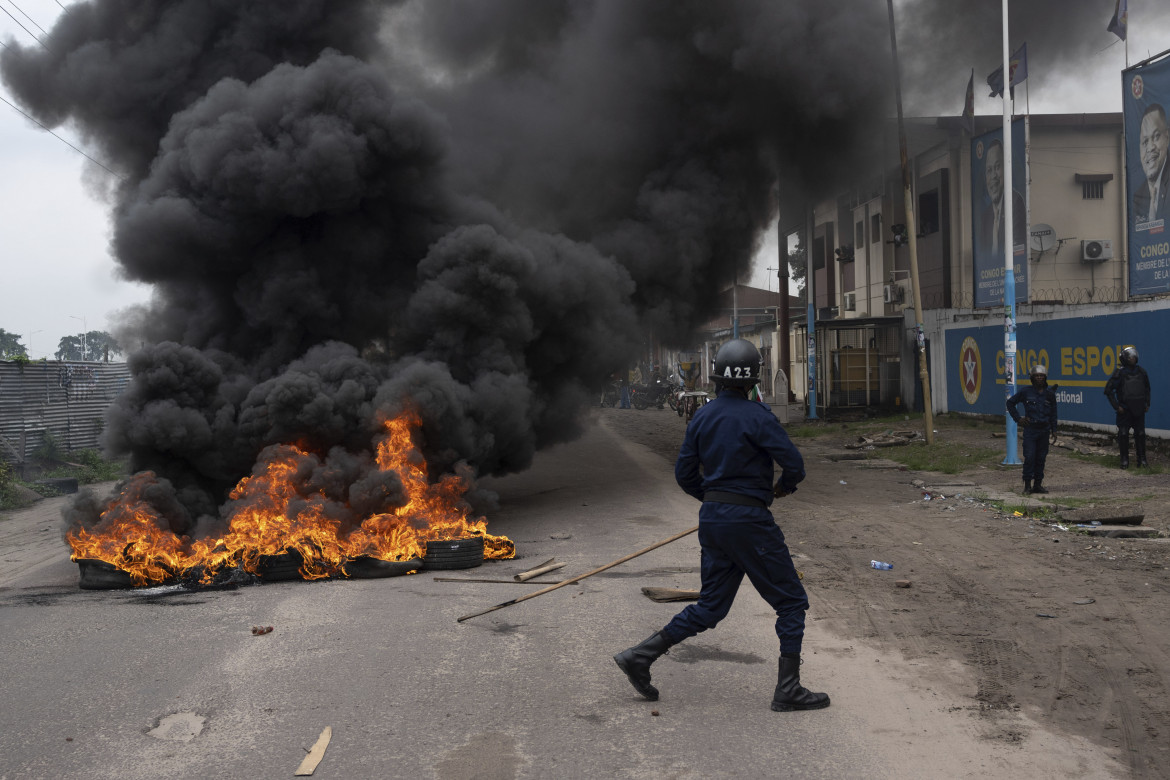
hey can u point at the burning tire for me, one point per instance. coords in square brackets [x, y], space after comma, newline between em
[367, 568]
[285, 567]
[99, 575]
[454, 554]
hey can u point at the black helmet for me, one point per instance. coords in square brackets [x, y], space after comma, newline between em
[737, 364]
[1129, 356]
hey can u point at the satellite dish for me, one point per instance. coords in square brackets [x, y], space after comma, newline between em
[1043, 238]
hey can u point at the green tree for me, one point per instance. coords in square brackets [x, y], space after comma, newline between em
[798, 265]
[95, 344]
[10, 346]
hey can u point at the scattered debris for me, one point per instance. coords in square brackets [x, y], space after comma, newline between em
[654, 713]
[670, 594]
[261, 630]
[315, 754]
[887, 439]
[902, 583]
[1044, 615]
[1082, 602]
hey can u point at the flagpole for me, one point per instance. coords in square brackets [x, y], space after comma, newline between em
[1011, 457]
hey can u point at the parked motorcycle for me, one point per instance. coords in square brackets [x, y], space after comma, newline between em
[645, 396]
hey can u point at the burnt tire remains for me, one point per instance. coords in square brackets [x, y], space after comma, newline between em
[99, 575]
[454, 554]
[367, 568]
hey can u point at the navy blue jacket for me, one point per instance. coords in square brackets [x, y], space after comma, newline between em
[735, 442]
[1117, 384]
[1039, 407]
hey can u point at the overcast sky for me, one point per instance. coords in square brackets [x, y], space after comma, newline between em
[57, 271]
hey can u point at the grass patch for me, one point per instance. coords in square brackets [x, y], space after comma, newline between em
[86, 466]
[1112, 462]
[943, 457]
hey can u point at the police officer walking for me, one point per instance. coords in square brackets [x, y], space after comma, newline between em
[1039, 424]
[726, 461]
[1128, 391]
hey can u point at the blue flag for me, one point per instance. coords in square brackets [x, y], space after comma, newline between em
[1019, 71]
[1120, 19]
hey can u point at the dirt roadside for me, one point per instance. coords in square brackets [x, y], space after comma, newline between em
[1069, 629]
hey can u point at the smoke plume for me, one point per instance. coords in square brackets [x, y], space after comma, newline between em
[477, 209]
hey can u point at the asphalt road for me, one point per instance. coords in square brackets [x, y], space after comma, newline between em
[165, 683]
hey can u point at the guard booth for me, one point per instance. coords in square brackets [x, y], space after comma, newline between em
[858, 363]
[779, 402]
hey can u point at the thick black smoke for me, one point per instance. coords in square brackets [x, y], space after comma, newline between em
[478, 209]
[940, 42]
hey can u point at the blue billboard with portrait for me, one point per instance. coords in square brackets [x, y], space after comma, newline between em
[988, 215]
[1145, 103]
[1080, 354]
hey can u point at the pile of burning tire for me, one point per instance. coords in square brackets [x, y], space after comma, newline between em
[446, 555]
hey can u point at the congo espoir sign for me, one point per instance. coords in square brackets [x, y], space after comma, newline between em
[1146, 101]
[1080, 354]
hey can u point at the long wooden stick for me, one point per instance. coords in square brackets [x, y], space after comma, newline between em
[579, 577]
[492, 582]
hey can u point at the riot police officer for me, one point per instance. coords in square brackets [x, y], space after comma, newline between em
[1039, 424]
[1128, 391]
[726, 461]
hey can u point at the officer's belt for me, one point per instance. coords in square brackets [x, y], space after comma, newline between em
[723, 497]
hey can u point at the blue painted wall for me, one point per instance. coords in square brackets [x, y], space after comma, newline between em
[1080, 354]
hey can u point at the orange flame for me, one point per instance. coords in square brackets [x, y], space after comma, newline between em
[273, 511]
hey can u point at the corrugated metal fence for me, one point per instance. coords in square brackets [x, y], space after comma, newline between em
[67, 399]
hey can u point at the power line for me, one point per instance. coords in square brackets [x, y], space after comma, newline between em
[26, 16]
[59, 138]
[21, 26]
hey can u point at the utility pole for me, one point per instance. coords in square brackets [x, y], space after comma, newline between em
[84, 329]
[1011, 458]
[809, 275]
[912, 231]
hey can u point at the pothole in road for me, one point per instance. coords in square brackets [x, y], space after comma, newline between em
[179, 727]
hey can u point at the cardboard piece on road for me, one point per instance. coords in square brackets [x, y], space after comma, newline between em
[670, 594]
[316, 753]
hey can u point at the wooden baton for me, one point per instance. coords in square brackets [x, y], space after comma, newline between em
[579, 577]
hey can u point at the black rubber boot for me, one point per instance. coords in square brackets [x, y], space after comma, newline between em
[635, 662]
[1123, 443]
[1038, 488]
[790, 695]
[1139, 443]
[1027, 486]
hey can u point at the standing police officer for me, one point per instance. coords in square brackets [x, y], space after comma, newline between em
[1128, 391]
[726, 462]
[1039, 423]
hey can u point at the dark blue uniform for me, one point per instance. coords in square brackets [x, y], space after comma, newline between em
[1040, 409]
[726, 461]
[1128, 391]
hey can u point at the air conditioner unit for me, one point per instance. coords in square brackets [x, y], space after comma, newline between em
[1096, 250]
[850, 301]
[893, 293]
